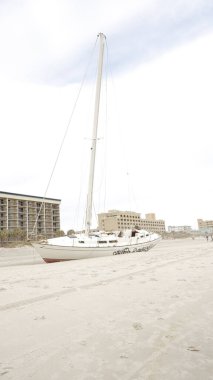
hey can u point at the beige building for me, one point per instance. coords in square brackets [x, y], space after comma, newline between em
[115, 220]
[179, 228]
[205, 225]
[23, 211]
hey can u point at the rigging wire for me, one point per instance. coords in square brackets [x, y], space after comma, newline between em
[64, 137]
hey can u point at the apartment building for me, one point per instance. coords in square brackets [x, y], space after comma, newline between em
[205, 225]
[115, 220]
[29, 213]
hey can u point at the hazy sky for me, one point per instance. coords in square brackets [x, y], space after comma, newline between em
[158, 147]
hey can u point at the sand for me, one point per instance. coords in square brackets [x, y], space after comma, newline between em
[141, 316]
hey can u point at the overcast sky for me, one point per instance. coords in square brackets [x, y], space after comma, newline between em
[156, 154]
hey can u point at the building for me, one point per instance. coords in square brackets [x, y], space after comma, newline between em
[205, 225]
[180, 229]
[29, 213]
[115, 220]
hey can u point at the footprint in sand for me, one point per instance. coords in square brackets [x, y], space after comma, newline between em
[40, 318]
[83, 343]
[137, 326]
[5, 370]
[169, 336]
[192, 348]
[3, 373]
[123, 356]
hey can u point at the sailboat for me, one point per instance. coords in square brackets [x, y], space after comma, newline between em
[90, 244]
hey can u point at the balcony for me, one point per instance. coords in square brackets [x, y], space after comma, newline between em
[12, 225]
[3, 219]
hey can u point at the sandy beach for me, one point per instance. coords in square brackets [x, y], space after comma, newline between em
[141, 316]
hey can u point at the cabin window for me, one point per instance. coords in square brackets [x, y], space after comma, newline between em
[102, 241]
[81, 241]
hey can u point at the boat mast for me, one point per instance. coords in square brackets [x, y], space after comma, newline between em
[94, 135]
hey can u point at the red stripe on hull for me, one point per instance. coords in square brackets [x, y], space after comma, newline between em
[49, 261]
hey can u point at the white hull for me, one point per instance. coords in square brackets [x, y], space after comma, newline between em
[53, 253]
